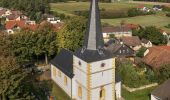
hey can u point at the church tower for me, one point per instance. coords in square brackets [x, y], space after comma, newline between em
[93, 66]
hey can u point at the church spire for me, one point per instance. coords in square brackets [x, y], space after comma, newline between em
[93, 37]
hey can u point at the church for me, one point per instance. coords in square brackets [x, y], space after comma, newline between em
[89, 72]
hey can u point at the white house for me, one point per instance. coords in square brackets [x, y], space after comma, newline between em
[162, 92]
[167, 36]
[146, 43]
[88, 73]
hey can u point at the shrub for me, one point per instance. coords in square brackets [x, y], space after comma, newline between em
[168, 14]
[166, 8]
[141, 52]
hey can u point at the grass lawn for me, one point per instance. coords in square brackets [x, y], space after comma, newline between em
[137, 95]
[58, 93]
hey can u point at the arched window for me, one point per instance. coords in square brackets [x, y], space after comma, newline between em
[80, 92]
[59, 73]
[102, 93]
[65, 80]
[54, 71]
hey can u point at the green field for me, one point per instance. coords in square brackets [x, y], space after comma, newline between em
[159, 20]
[150, 20]
[68, 8]
[137, 95]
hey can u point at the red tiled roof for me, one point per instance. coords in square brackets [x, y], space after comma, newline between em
[132, 26]
[141, 6]
[12, 24]
[158, 56]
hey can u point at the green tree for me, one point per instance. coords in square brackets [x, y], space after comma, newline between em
[12, 78]
[164, 73]
[46, 41]
[71, 36]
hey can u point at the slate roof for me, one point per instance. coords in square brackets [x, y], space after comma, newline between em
[131, 41]
[110, 29]
[163, 91]
[93, 55]
[114, 49]
[64, 62]
[157, 56]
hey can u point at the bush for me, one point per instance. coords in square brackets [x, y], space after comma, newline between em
[134, 78]
[135, 12]
[164, 73]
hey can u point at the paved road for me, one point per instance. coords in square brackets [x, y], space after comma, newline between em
[152, 3]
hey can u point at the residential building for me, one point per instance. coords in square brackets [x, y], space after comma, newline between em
[117, 31]
[121, 50]
[162, 92]
[89, 72]
[133, 42]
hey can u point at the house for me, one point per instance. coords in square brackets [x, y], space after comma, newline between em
[143, 8]
[55, 27]
[157, 56]
[146, 43]
[162, 92]
[157, 7]
[16, 15]
[133, 42]
[2, 12]
[52, 19]
[121, 50]
[117, 31]
[12, 26]
[166, 35]
[89, 72]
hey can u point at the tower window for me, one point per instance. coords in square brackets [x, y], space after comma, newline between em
[103, 64]
[80, 92]
[79, 63]
[54, 71]
[102, 93]
[65, 80]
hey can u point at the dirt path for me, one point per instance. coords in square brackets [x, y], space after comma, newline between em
[152, 3]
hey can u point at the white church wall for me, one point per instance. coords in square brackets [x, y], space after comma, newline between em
[101, 78]
[60, 80]
[96, 66]
[82, 67]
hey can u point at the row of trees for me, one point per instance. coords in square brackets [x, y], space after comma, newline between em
[18, 83]
[33, 8]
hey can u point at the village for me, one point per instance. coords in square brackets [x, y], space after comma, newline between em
[89, 55]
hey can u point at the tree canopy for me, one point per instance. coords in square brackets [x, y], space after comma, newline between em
[71, 36]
